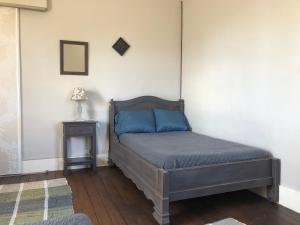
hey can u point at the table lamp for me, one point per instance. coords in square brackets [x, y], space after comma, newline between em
[79, 95]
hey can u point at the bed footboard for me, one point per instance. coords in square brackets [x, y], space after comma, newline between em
[219, 178]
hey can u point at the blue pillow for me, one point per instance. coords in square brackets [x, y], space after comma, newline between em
[169, 120]
[135, 121]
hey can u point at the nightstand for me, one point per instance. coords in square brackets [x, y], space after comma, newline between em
[76, 129]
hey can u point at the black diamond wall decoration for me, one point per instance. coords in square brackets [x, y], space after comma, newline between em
[121, 46]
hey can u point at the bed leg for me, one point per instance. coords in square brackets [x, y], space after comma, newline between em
[111, 163]
[161, 212]
[273, 191]
[161, 201]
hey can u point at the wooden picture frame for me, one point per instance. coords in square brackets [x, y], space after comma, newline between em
[85, 58]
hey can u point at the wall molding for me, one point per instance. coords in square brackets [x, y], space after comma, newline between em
[10, 114]
[40, 5]
[55, 164]
[19, 94]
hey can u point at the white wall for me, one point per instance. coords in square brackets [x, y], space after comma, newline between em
[150, 67]
[9, 92]
[241, 78]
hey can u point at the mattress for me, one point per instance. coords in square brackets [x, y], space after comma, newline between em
[173, 150]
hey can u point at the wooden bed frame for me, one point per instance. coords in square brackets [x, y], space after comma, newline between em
[165, 186]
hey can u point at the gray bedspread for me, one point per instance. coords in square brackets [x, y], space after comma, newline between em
[171, 150]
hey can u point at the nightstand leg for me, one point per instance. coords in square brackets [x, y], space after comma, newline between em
[94, 150]
[65, 149]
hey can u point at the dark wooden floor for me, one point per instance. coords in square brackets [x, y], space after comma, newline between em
[109, 198]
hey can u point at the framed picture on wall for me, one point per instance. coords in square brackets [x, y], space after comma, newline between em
[74, 58]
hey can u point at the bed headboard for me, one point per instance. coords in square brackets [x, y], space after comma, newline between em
[147, 102]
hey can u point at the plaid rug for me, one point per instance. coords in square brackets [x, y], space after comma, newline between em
[34, 201]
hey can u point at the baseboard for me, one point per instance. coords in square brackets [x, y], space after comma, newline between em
[289, 198]
[42, 165]
[55, 164]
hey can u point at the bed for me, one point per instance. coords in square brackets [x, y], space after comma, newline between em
[173, 166]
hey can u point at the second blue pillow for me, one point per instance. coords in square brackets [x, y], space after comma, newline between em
[169, 120]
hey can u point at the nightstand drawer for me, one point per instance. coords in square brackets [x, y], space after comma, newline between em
[79, 130]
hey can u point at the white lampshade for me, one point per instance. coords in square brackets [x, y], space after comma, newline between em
[79, 94]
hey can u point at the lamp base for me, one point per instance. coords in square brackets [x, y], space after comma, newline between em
[78, 116]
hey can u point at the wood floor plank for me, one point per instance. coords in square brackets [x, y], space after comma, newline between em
[114, 213]
[213, 210]
[131, 202]
[81, 199]
[181, 215]
[9, 179]
[97, 200]
[270, 212]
